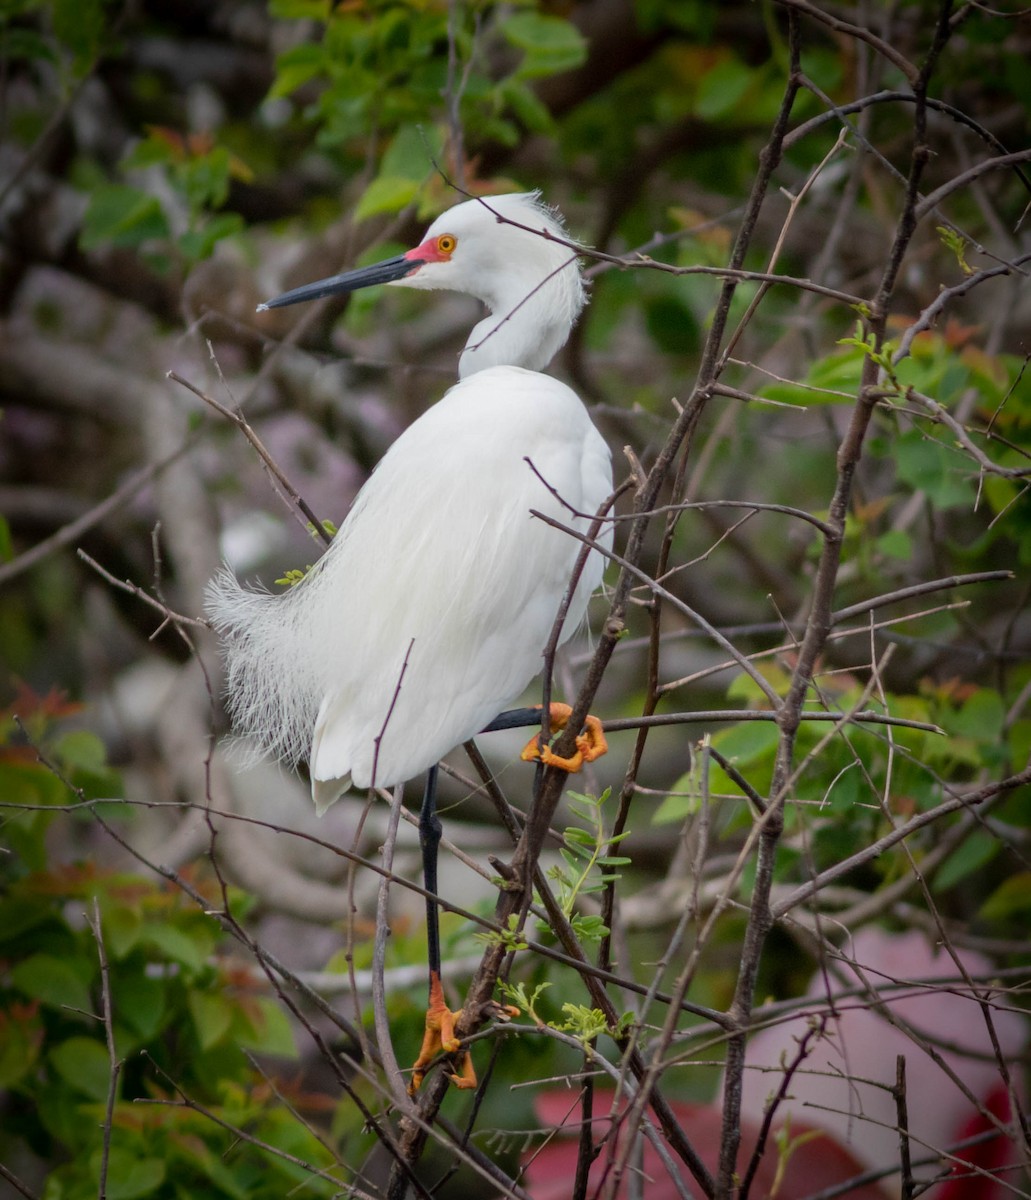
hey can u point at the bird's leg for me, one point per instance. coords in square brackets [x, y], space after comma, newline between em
[440, 1020]
[590, 744]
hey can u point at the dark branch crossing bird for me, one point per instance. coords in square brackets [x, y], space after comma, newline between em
[431, 609]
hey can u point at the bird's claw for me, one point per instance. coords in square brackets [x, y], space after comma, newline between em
[590, 744]
[495, 1011]
[439, 1038]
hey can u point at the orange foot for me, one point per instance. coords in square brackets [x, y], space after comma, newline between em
[439, 1037]
[590, 744]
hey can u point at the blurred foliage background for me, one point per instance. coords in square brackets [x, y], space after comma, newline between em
[164, 167]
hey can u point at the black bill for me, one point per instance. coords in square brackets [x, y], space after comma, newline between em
[381, 272]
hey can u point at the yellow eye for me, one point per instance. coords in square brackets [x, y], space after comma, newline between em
[446, 243]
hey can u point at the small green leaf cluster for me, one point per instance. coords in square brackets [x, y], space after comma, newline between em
[588, 1024]
[879, 352]
[294, 575]
[67, 35]
[955, 242]
[511, 938]
[585, 1024]
[525, 999]
[381, 73]
[587, 866]
[837, 799]
[182, 1021]
[923, 453]
[197, 172]
[166, 197]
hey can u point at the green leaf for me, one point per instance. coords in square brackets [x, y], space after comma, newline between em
[588, 927]
[121, 927]
[747, 743]
[26, 783]
[745, 689]
[128, 1176]
[19, 1048]
[584, 1023]
[80, 748]
[60, 1114]
[80, 25]
[24, 831]
[929, 466]
[1012, 898]
[83, 1064]
[150, 151]
[750, 744]
[538, 33]
[975, 852]
[526, 105]
[982, 717]
[140, 1001]
[1020, 749]
[266, 1029]
[387, 194]
[721, 89]
[550, 44]
[412, 152]
[841, 370]
[27, 44]
[55, 982]
[573, 857]
[671, 324]
[580, 836]
[205, 179]
[18, 914]
[124, 216]
[212, 1015]
[190, 950]
[198, 244]
[896, 543]
[675, 808]
[295, 67]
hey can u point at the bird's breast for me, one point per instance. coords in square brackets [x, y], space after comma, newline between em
[447, 588]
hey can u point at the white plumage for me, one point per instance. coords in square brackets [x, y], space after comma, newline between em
[429, 613]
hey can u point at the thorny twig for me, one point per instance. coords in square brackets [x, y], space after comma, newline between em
[662, 491]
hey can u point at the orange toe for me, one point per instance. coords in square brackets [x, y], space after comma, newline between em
[590, 744]
[439, 1038]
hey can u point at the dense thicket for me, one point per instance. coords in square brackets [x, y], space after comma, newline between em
[805, 231]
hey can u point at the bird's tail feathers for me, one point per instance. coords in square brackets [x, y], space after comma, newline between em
[268, 653]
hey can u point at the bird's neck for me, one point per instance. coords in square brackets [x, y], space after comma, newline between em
[527, 325]
[500, 342]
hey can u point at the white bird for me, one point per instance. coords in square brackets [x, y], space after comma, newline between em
[429, 612]
[431, 609]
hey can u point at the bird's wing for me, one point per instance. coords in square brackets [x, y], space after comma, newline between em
[430, 611]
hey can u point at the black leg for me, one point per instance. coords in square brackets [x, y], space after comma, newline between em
[439, 1033]
[590, 744]
[429, 840]
[440, 1021]
[514, 718]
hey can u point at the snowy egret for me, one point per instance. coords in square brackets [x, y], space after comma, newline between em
[430, 611]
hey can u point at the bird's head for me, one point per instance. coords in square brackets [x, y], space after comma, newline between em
[511, 252]
[497, 249]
